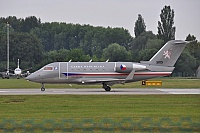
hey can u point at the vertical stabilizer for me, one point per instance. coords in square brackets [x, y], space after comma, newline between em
[18, 63]
[168, 54]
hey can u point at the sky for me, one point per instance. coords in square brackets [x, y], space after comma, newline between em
[113, 13]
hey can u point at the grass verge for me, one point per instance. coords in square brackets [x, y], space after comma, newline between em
[166, 83]
[96, 106]
[100, 113]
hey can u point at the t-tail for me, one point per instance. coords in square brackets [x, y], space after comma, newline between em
[18, 63]
[168, 54]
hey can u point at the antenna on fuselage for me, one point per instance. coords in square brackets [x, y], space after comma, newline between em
[107, 60]
[70, 60]
[90, 60]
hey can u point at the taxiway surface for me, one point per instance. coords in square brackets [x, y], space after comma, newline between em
[94, 91]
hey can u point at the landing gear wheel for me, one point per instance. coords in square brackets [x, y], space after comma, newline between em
[42, 88]
[106, 87]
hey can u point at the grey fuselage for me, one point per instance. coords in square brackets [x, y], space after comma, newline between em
[97, 72]
[110, 73]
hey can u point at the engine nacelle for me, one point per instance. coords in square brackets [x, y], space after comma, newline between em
[128, 67]
[139, 67]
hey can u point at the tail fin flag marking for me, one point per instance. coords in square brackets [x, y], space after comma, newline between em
[167, 54]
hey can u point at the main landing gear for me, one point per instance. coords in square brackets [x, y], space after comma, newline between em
[106, 87]
[42, 87]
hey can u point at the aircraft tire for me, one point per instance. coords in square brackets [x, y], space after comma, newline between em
[42, 89]
[107, 88]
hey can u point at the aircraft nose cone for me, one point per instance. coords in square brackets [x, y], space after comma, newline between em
[30, 77]
[34, 77]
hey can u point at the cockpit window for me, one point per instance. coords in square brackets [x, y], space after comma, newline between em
[48, 68]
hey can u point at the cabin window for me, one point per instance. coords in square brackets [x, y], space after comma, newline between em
[48, 68]
[159, 62]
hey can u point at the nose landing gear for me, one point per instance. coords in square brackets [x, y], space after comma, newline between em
[42, 87]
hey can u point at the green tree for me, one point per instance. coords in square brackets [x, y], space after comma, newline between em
[30, 23]
[140, 26]
[193, 45]
[194, 48]
[166, 30]
[185, 64]
[154, 43]
[77, 54]
[146, 54]
[191, 38]
[152, 46]
[15, 23]
[115, 52]
[25, 47]
[3, 46]
[138, 44]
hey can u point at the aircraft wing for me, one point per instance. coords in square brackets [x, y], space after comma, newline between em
[27, 72]
[11, 74]
[27, 69]
[6, 74]
[108, 81]
[2, 73]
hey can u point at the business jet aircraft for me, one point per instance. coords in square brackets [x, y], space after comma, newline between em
[17, 72]
[110, 73]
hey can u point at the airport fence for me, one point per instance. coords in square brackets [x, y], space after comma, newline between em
[183, 124]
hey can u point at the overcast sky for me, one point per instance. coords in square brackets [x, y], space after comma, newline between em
[113, 13]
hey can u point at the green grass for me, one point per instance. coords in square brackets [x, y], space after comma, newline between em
[39, 113]
[99, 106]
[52, 109]
[166, 83]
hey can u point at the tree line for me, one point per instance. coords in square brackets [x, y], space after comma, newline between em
[37, 44]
